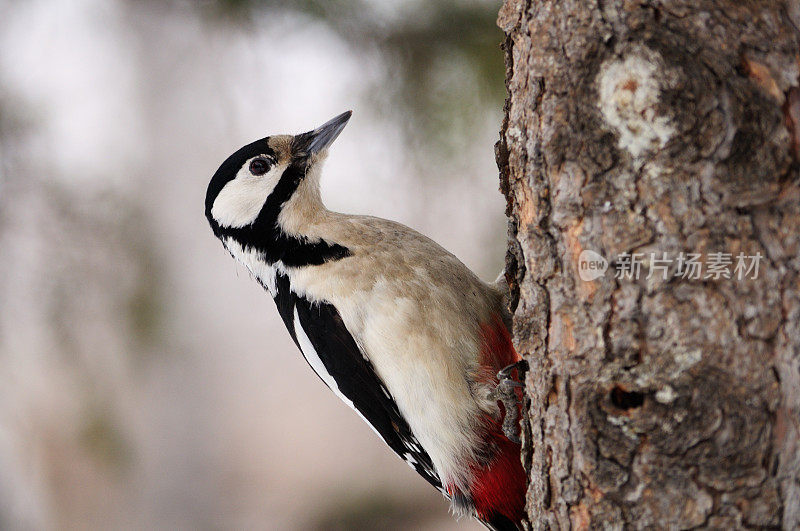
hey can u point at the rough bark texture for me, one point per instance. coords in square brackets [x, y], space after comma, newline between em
[656, 126]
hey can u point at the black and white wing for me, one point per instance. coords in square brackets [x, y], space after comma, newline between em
[326, 344]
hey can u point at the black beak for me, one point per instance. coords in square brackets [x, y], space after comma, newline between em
[323, 136]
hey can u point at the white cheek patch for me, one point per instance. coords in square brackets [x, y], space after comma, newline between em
[240, 201]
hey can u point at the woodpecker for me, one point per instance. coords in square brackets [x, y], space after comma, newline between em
[395, 325]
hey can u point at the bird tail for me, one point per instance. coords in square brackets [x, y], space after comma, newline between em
[498, 522]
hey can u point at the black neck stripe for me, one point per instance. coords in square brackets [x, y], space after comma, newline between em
[265, 236]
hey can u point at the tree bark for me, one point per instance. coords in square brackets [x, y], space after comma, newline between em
[657, 127]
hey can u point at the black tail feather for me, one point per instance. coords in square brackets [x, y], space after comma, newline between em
[499, 522]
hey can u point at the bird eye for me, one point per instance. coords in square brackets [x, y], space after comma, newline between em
[259, 166]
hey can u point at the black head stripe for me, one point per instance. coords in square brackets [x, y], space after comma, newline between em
[265, 236]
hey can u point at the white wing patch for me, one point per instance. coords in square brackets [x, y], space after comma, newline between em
[313, 359]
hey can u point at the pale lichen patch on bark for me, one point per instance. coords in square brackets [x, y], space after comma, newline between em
[666, 395]
[629, 92]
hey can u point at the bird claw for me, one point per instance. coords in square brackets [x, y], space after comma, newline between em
[505, 392]
[521, 367]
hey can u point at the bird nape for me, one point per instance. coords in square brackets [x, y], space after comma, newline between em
[396, 326]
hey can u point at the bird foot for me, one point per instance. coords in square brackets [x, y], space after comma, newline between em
[506, 393]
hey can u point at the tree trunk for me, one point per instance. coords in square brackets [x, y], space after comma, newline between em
[656, 134]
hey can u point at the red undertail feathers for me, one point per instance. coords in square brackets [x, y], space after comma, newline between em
[499, 486]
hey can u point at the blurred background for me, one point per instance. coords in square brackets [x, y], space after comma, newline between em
[145, 380]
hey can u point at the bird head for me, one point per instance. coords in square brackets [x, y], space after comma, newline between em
[248, 191]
